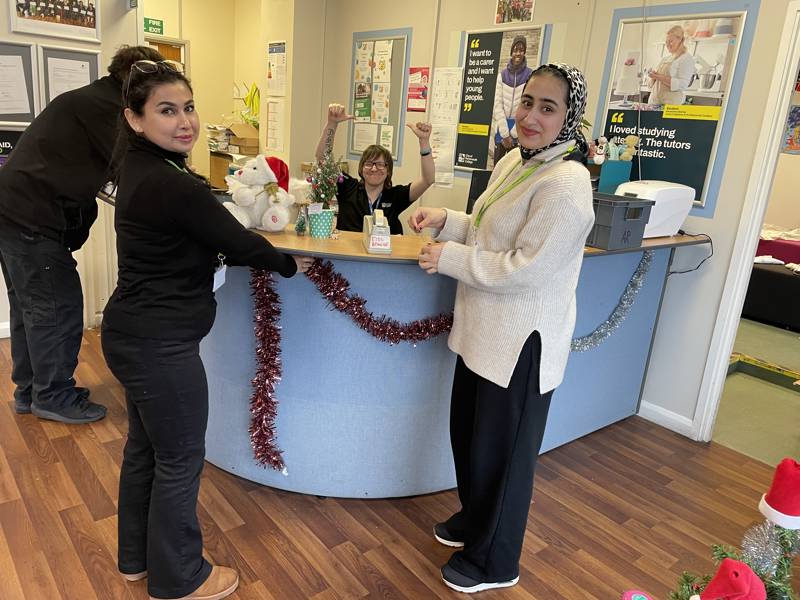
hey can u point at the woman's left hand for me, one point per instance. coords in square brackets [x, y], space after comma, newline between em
[429, 257]
[303, 262]
[421, 130]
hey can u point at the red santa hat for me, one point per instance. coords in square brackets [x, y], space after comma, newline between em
[281, 171]
[781, 504]
[734, 581]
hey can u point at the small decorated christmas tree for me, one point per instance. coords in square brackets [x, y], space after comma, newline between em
[324, 177]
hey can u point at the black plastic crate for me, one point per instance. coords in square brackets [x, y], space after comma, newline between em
[619, 221]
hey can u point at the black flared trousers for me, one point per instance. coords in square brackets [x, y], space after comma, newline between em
[496, 434]
[167, 397]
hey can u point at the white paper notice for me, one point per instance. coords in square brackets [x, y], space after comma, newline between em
[363, 66]
[387, 137]
[276, 69]
[443, 144]
[364, 134]
[380, 102]
[276, 134]
[64, 75]
[382, 63]
[13, 91]
[446, 95]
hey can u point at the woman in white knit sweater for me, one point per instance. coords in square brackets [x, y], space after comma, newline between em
[517, 259]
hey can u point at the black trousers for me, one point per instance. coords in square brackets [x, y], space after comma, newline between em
[167, 397]
[496, 434]
[46, 306]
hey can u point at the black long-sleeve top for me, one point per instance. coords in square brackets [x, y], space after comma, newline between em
[170, 230]
[49, 182]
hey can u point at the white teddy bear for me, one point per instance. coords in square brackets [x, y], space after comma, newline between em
[258, 190]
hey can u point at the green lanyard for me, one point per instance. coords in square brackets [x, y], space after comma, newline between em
[176, 166]
[501, 191]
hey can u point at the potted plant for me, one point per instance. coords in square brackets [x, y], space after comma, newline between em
[321, 211]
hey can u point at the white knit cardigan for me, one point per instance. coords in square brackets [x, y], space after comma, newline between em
[517, 273]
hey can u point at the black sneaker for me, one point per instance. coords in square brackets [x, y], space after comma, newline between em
[23, 407]
[82, 411]
[444, 536]
[461, 583]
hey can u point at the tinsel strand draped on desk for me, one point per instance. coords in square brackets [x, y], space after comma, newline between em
[336, 290]
[621, 310]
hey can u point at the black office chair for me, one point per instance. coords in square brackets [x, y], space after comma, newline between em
[480, 179]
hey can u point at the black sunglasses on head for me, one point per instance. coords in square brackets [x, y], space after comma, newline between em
[152, 66]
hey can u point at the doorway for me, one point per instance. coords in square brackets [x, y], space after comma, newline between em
[171, 49]
[757, 196]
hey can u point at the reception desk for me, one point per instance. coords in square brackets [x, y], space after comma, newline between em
[358, 417]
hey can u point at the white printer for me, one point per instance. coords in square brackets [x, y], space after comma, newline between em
[673, 201]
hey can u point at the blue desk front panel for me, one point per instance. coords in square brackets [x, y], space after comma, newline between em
[360, 418]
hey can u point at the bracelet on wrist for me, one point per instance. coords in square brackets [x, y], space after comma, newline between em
[425, 152]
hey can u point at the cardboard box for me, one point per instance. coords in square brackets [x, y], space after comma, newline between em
[244, 137]
[218, 164]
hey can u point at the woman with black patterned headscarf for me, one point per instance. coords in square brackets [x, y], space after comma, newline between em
[517, 259]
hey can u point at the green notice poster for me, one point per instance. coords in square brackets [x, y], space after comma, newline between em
[362, 101]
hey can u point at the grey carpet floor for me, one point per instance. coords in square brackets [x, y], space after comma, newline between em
[755, 417]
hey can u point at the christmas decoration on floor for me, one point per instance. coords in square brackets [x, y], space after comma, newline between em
[336, 290]
[621, 310]
[762, 569]
[263, 404]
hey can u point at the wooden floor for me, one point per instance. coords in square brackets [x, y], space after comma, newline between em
[628, 507]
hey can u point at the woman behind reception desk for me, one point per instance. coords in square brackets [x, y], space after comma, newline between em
[375, 190]
[517, 261]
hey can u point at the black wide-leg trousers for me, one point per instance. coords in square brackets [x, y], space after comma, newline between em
[496, 434]
[167, 398]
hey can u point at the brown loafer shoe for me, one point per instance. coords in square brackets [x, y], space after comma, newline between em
[134, 576]
[222, 582]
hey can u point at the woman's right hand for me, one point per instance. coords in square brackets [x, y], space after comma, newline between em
[303, 262]
[338, 113]
[427, 216]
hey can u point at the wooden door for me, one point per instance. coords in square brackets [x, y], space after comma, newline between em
[169, 51]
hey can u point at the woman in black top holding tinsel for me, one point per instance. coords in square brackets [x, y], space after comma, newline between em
[170, 233]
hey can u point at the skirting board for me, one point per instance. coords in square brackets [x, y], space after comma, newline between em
[668, 419]
[5, 329]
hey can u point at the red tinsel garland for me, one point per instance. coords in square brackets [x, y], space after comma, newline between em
[263, 404]
[336, 289]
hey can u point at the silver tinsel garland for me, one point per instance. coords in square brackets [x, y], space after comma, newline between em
[621, 310]
[761, 548]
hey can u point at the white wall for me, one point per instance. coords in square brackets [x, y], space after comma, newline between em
[209, 27]
[168, 11]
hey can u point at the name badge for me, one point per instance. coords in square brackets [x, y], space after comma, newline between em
[219, 277]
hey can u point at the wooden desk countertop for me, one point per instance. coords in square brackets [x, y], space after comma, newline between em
[405, 248]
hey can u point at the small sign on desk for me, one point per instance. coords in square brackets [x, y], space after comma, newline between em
[377, 236]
